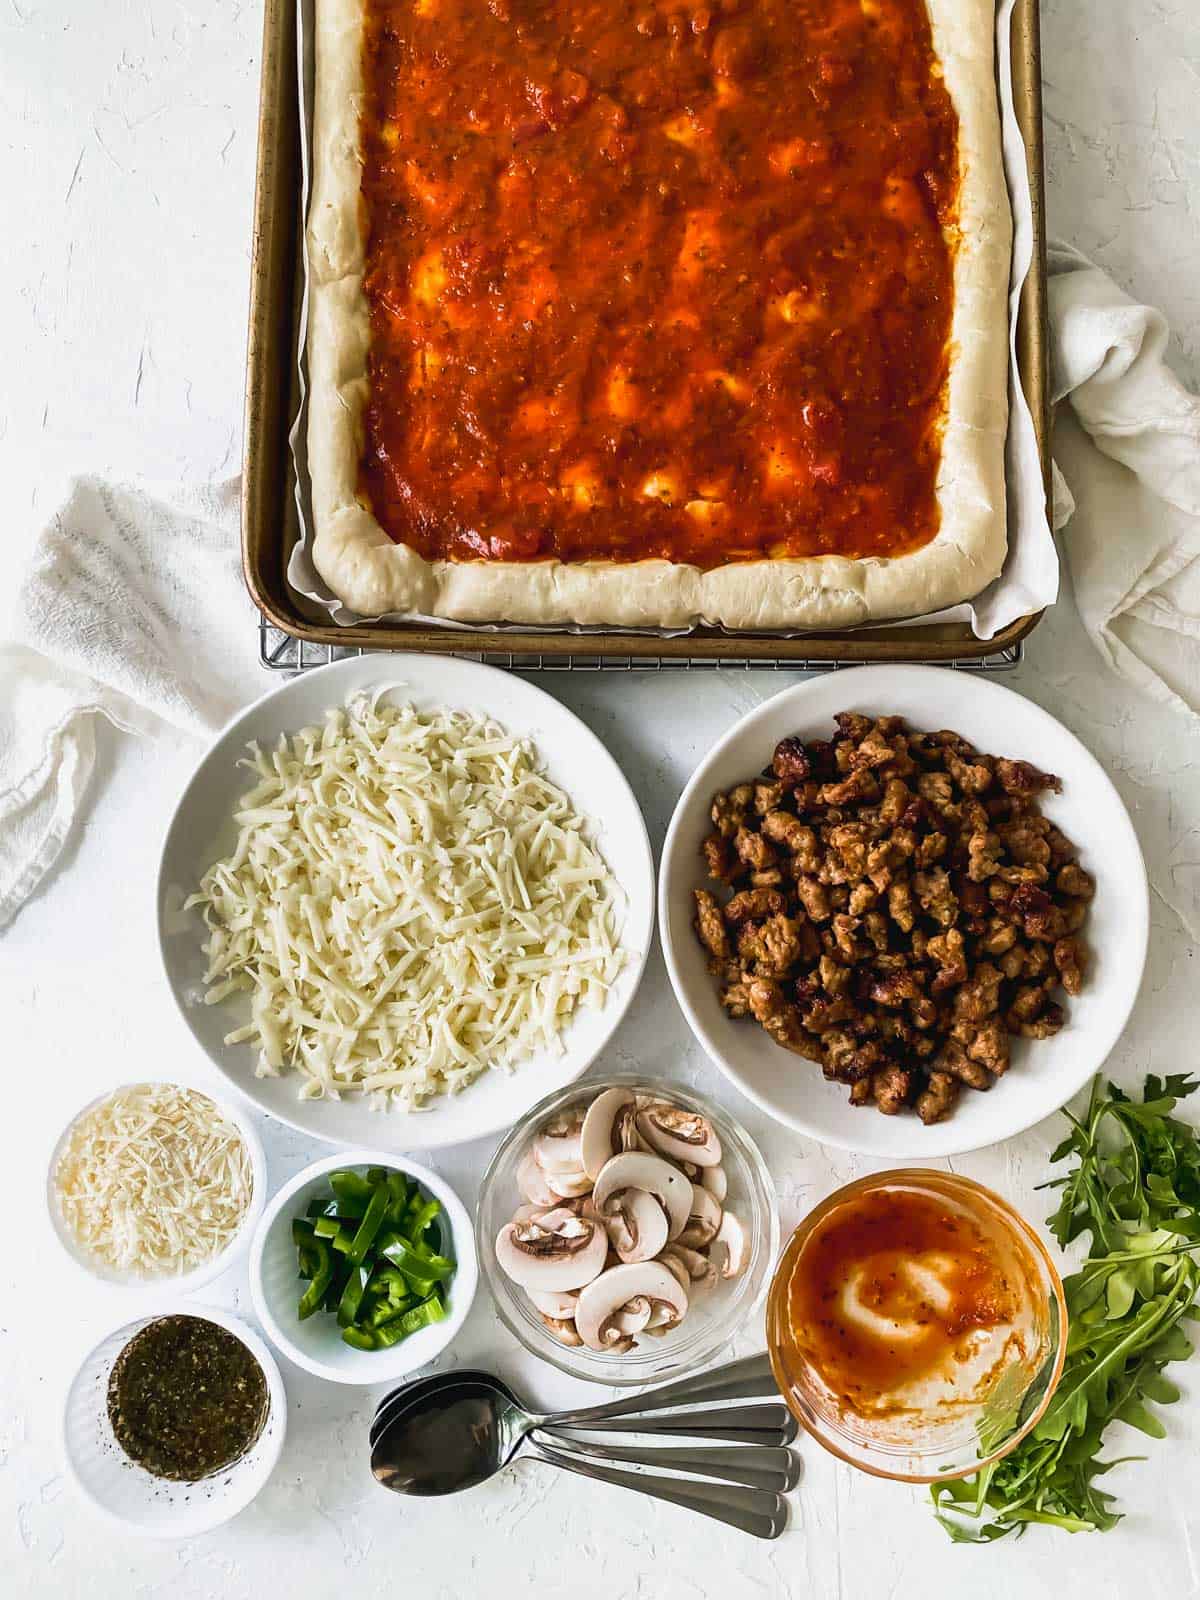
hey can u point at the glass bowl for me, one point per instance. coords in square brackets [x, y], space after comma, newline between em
[714, 1315]
[1012, 1368]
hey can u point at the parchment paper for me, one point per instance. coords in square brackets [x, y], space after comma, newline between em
[1029, 580]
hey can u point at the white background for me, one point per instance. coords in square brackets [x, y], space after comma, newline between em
[126, 170]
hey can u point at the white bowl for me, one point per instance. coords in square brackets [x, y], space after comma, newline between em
[316, 1344]
[138, 1284]
[1044, 1075]
[202, 830]
[125, 1493]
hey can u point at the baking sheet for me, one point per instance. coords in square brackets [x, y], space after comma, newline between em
[1029, 581]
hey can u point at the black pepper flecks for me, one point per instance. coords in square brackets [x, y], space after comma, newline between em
[186, 1398]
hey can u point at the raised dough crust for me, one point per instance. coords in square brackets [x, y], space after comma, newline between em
[375, 576]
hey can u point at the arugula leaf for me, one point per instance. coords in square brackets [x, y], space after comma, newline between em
[1135, 1191]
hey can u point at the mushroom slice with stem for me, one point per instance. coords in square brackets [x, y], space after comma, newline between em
[531, 1181]
[562, 1329]
[557, 1251]
[559, 1304]
[611, 1293]
[704, 1221]
[598, 1139]
[636, 1314]
[731, 1247]
[714, 1180]
[634, 1169]
[637, 1225]
[626, 1130]
[699, 1268]
[675, 1266]
[680, 1134]
[559, 1147]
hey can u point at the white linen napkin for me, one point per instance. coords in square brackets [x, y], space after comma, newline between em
[1128, 446]
[132, 609]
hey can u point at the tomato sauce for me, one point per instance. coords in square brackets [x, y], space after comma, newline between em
[656, 278]
[892, 1289]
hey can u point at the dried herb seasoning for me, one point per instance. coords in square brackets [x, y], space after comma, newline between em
[186, 1398]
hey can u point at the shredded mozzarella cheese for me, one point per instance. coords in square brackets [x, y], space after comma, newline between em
[410, 902]
[154, 1181]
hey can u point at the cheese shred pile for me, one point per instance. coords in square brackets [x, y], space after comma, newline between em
[154, 1181]
[410, 902]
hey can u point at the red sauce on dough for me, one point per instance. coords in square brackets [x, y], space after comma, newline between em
[656, 277]
[888, 1291]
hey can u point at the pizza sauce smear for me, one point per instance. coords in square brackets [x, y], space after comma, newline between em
[656, 278]
[891, 1294]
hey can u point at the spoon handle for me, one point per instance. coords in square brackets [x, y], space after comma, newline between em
[738, 1380]
[762, 1424]
[753, 1511]
[756, 1466]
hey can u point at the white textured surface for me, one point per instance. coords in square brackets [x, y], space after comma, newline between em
[126, 139]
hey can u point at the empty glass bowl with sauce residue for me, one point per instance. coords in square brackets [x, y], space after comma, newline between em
[916, 1325]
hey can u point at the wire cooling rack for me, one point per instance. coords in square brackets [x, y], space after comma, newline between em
[279, 652]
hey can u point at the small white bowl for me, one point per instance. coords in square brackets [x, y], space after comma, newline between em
[316, 1344]
[125, 1493]
[181, 1282]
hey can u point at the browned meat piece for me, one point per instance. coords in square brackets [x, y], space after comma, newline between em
[1074, 915]
[719, 859]
[860, 1092]
[887, 858]
[924, 1012]
[835, 978]
[735, 1000]
[819, 1016]
[948, 951]
[935, 896]
[972, 776]
[1070, 960]
[753, 905]
[862, 897]
[895, 802]
[985, 1042]
[931, 848]
[1027, 1003]
[1046, 1026]
[848, 1059]
[844, 930]
[753, 849]
[936, 1102]
[900, 906]
[1037, 960]
[1074, 881]
[1025, 841]
[983, 856]
[860, 785]
[876, 926]
[1022, 874]
[769, 878]
[790, 763]
[781, 946]
[936, 789]
[795, 836]
[1011, 962]
[973, 899]
[853, 725]
[979, 996]
[874, 751]
[1040, 917]
[729, 810]
[891, 1088]
[768, 796]
[769, 1007]
[999, 937]
[850, 841]
[1061, 848]
[894, 989]
[954, 1060]
[814, 897]
[710, 926]
[1022, 778]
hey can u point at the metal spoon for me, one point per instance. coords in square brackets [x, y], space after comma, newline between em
[446, 1442]
[756, 1466]
[738, 1380]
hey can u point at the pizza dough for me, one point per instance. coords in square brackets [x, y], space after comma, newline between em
[375, 576]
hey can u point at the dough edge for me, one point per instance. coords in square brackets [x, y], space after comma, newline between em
[375, 576]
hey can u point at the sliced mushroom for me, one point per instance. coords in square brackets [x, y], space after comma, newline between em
[698, 1267]
[611, 1293]
[531, 1181]
[637, 1225]
[637, 1314]
[598, 1139]
[530, 1213]
[703, 1222]
[563, 1329]
[634, 1169]
[715, 1181]
[683, 1135]
[558, 1148]
[558, 1304]
[676, 1268]
[730, 1247]
[626, 1131]
[569, 1185]
[558, 1251]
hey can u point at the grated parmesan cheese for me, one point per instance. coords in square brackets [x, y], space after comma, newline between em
[154, 1181]
[410, 902]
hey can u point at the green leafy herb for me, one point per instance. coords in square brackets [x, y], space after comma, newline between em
[1135, 1189]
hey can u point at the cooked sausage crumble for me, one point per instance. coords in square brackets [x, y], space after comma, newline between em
[898, 909]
